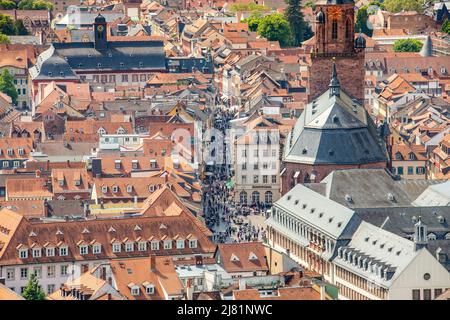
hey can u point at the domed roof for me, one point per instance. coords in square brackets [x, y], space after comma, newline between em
[360, 42]
[320, 17]
[99, 19]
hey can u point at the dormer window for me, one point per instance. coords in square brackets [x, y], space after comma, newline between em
[150, 289]
[412, 156]
[129, 188]
[193, 243]
[36, 253]
[77, 182]
[134, 164]
[142, 246]
[61, 182]
[104, 189]
[167, 244]
[180, 244]
[152, 163]
[63, 251]
[20, 151]
[23, 253]
[443, 70]
[252, 256]
[234, 257]
[115, 189]
[155, 245]
[97, 248]
[129, 246]
[10, 151]
[116, 247]
[83, 249]
[118, 164]
[151, 188]
[50, 252]
[135, 290]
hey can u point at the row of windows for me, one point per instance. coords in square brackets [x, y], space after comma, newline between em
[268, 197]
[410, 170]
[16, 164]
[361, 283]
[10, 151]
[124, 77]
[50, 288]
[21, 91]
[49, 252]
[265, 166]
[24, 272]
[21, 81]
[273, 152]
[265, 179]
[426, 294]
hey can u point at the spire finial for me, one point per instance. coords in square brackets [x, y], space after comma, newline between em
[334, 82]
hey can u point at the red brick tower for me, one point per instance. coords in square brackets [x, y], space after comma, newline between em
[335, 42]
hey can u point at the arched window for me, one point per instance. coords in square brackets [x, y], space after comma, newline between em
[243, 197]
[334, 29]
[268, 197]
[255, 197]
[348, 29]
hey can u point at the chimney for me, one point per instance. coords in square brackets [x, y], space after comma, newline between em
[189, 290]
[152, 263]
[322, 293]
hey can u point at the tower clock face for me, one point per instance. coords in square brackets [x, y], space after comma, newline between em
[100, 28]
[335, 13]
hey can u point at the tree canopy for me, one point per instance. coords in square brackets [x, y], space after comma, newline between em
[6, 25]
[251, 7]
[362, 17]
[19, 28]
[446, 27]
[7, 84]
[253, 21]
[275, 27]
[7, 5]
[33, 290]
[4, 38]
[35, 5]
[399, 5]
[407, 45]
[300, 29]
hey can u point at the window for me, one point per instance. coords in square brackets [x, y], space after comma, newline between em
[180, 244]
[265, 152]
[16, 164]
[142, 77]
[420, 170]
[437, 293]
[274, 178]
[150, 289]
[416, 294]
[83, 250]
[334, 30]
[129, 246]
[244, 166]
[116, 247]
[193, 243]
[426, 294]
[112, 78]
[117, 164]
[255, 153]
[244, 179]
[400, 170]
[50, 288]
[115, 189]
[124, 78]
[21, 151]
[10, 274]
[104, 189]
[274, 153]
[265, 179]
[135, 291]
[151, 188]
[167, 244]
[255, 179]
[255, 166]
[142, 246]
[348, 28]
[96, 249]
[155, 245]
[5, 164]
[410, 170]
[50, 252]
[393, 170]
[23, 273]
[64, 270]
[51, 272]
[244, 153]
[36, 253]
[23, 253]
[135, 78]
[63, 251]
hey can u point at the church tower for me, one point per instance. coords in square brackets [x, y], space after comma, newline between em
[335, 43]
[100, 40]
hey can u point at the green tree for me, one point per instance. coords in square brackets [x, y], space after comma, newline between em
[35, 5]
[7, 85]
[4, 39]
[275, 27]
[253, 21]
[19, 28]
[361, 21]
[446, 26]
[6, 25]
[299, 27]
[7, 5]
[407, 45]
[33, 290]
[399, 5]
[248, 7]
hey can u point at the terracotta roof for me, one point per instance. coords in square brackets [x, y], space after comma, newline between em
[71, 180]
[242, 257]
[21, 233]
[288, 293]
[27, 188]
[15, 148]
[94, 126]
[8, 294]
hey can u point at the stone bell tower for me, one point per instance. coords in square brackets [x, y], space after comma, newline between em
[335, 43]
